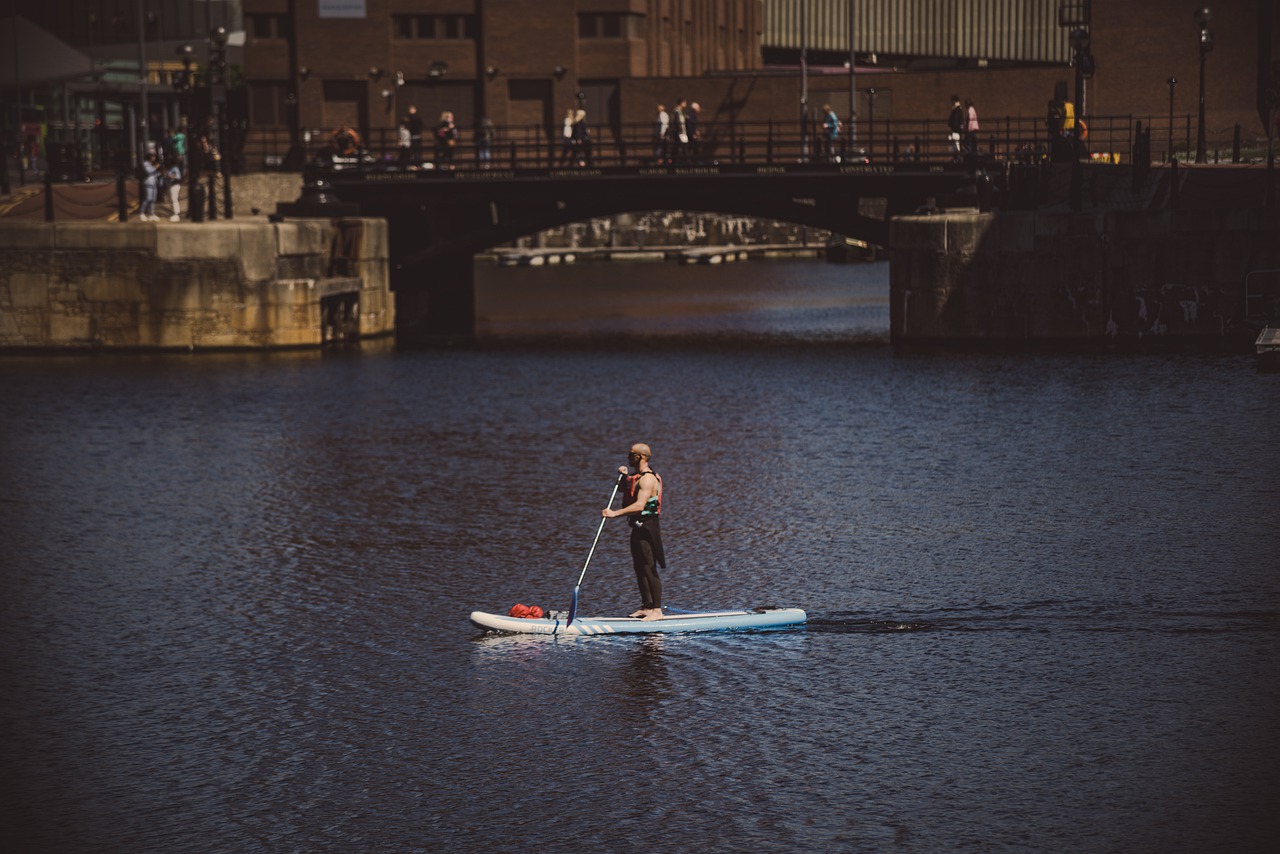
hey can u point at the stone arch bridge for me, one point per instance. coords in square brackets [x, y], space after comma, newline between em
[438, 220]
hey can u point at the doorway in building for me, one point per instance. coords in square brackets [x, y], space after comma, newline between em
[530, 113]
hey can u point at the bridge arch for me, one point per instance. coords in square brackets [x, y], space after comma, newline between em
[437, 221]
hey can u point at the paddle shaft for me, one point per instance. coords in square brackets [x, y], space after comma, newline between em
[603, 519]
[573, 607]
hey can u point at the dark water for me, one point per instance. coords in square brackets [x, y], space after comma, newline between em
[1043, 589]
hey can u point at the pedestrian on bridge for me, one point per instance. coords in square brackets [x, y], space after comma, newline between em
[970, 127]
[581, 138]
[484, 141]
[680, 129]
[414, 123]
[830, 133]
[691, 127]
[404, 142]
[566, 139]
[446, 140]
[955, 124]
[661, 135]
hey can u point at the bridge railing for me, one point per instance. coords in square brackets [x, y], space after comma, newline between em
[895, 141]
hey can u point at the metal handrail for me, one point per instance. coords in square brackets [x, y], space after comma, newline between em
[1011, 138]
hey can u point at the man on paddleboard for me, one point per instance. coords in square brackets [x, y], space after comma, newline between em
[642, 506]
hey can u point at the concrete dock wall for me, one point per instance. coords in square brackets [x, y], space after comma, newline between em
[1112, 277]
[224, 285]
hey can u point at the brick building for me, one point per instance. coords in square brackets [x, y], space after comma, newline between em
[361, 63]
[305, 66]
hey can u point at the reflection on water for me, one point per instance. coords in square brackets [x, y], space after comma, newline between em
[234, 590]
[803, 301]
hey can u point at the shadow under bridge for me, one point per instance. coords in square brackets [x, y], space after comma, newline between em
[438, 220]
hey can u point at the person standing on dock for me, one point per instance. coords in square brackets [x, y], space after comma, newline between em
[150, 188]
[173, 181]
[642, 507]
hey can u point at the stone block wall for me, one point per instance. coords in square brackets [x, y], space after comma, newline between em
[224, 285]
[1096, 277]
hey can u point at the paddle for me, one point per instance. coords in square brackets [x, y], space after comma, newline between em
[573, 608]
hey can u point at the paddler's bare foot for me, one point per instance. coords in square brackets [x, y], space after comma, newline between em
[652, 614]
[639, 613]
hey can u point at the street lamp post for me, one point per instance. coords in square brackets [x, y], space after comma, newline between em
[853, 78]
[1172, 83]
[217, 102]
[871, 120]
[144, 112]
[1083, 62]
[182, 80]
[195, 207]
[1206, 45]
[804, 85]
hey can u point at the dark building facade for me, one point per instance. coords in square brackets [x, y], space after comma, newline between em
[96, 103]
[362, 63]
[320, 64]
[301, 68]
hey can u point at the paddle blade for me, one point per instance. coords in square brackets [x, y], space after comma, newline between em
[573, 609]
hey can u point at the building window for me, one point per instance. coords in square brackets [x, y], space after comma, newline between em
[268, 104]
[265, 26]
[608, 25]
[438, 27]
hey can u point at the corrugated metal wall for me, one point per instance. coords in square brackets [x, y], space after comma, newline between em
[1011, 30]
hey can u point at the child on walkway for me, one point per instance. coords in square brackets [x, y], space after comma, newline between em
[173, 178]
[150, 187]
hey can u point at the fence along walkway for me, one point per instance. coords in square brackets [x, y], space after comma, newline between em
[1014, 138]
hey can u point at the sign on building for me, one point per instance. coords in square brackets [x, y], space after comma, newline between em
[342, 8]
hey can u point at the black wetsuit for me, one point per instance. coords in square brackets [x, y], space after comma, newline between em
[646, 543]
